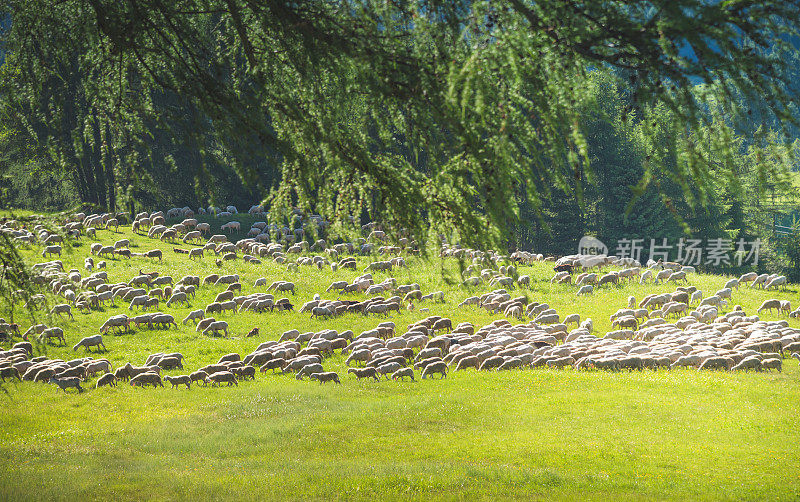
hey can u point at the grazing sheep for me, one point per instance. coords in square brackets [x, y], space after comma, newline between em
[388, 368]
[402, 373]
[222, 376]
[195, 315]
[179, 297]
[179, 380]
[436, 367]
[91, 341]
[768, 305]
[329, 376]
[108, 379]
[199, 376]
[9, 372]
[54, 332]
[364, 373]
[747, 364]
[147, 378]
[50, 250]
[245, 372]
[215, 327]
[169, 363]
[62, 308]
[771, 364]
[274, 364]
[65, 383]
[468, 362]
[308, 369]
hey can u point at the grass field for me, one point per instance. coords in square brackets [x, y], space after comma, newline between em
[533, 435]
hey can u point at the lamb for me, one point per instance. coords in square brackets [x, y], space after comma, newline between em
[402, 373]
[436, 367]
[222, 376]
[108, 379]
[179, 380]
[329, 376]
[91, 341]
[65, 383]
[145, 379]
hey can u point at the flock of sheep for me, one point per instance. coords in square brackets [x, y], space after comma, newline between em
[683, 328]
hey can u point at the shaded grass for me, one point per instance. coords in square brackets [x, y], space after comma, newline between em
[538, 435]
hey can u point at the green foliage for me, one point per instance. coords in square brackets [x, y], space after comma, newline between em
[416, 113]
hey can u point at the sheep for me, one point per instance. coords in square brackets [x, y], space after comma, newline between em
[54, 332]
[51, 250]
[771, 364]
[9, 372]
[747, 364]
[274, 364]
[436, 367]
[776, 282]
[769, 305]
[62, 308]
[179, 380]
[145, 379]
[468, 362]
[364, 373]
[222, 376]
[245, 372]
[108, 379]
[402, 373]
[169, 363]
[329, 376]
[179, 297]
[216, 326]
[65, 383]
[91, 341]
[154, 253]
[199, 376]
[386, 369]
[195, 315]
[585, 290]
[308, 369]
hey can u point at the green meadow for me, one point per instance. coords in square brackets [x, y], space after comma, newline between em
[535, 434]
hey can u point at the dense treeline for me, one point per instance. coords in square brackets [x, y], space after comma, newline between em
[527, 125]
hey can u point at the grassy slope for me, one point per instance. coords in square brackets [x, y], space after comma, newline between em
[532, 434]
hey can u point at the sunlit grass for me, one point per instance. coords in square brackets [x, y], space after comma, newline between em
[538, 434]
